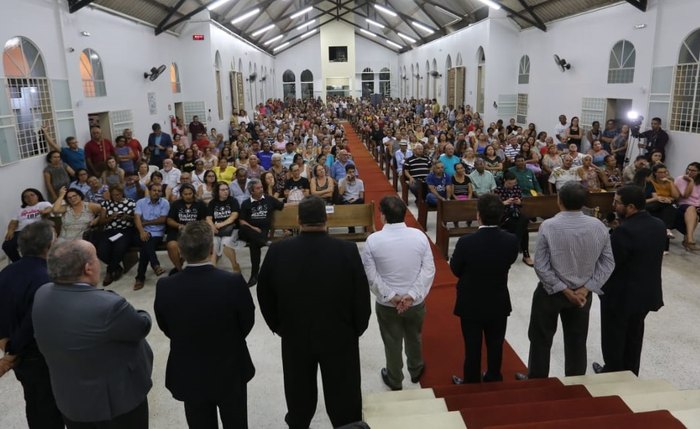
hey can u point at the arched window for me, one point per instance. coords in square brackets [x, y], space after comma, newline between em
[427, 79]
[92, 74]
[175, 78]
[385, 82]
[307, 84]
[524, 70]
[289, 86]
[217, 75]
[367, 82]
[622, 59]
[685, 111]
[459, 59]
[29, 103]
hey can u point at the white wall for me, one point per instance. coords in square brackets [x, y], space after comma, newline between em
[304, 56]
[376, 57]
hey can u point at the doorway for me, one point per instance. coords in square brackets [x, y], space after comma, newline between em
[102, 120]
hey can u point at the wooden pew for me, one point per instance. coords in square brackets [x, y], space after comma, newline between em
[343, 216]
[449, 212]
[404, 188]
[423, 208]
[602, 201]
[542, 207]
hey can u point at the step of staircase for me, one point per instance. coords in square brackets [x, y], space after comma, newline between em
[449, 420]
[630, 387]
[672, 401]
[404, 408]
[690, 418]
[606, 377]
[397, 396]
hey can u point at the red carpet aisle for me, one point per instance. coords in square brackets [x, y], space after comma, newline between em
[442, 339]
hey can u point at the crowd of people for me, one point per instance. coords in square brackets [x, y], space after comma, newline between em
[199, 194]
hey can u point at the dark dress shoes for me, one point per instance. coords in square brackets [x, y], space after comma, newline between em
[457, 380]
[597, 368]
[252, 281]
[416, 378]
[521, 377]
[385, 379]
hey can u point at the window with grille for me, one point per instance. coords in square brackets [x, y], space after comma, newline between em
[289, 87]
[507, 105]
[367, 82]
[621, 66]
[521, 109]
[92, 74]
[26, 104]
[385, 82]
[175, 79]
[192, 109]
[592, 109]
[121, 120]
[524, 70]
[685, 106]
[307, 84]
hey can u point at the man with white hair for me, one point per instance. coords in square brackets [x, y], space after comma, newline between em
[171, 174]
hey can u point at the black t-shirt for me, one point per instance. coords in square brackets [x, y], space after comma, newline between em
[221, 210]
[302, 183]
[259, 213]
[184, 215]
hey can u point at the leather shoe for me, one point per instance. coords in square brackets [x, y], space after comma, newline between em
[252, 281]
[597, 368]
[138, 285]
[385, 379]
[521, 377]
[108, 279]
[416, 378]
[457, 380]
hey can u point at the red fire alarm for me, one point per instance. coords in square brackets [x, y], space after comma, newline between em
[198, 37]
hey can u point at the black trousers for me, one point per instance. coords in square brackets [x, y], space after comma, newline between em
[340, 372]
[256, 241]
[518, 227]
[233, 410]
[11, 247]
[621, 338]
[40, 405]
[493, 332]
[147, 254]
[134, 419]
[546, 310]
[112, 252]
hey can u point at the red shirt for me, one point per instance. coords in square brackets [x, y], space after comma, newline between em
[135, 147]
[202, 143]
[98, 152]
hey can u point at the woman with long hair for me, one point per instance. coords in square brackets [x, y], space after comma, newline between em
[113, 174]
[77, 215]
[55, 174]
[269, 183]
[223, 214]
[574, 133]
[205, 191]
[688, 205]
[322, 185]
[32, 208]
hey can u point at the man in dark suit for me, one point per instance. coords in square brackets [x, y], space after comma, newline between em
[18, 283]
[158, 141]
[320, 315]
[94, 343]
[207, 314]
[481, 262]
[634, 288]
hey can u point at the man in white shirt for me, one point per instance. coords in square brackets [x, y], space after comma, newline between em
[171, 175]
[400, 270]
[401, 155]
[560, 129]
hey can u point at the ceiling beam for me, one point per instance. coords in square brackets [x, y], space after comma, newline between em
[521, 16]
[335, 17]
[371, 39]
[639, 4]
[264, 6]
[430, 17]
[452, 11]
[538, 20]
[386, 23]
[439, 32]
[76, 5]
[170, 14]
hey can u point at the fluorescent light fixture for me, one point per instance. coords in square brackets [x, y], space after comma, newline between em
[369, 33]
[393, 44]
[301, 12]
[446, 12]
[283, 45]
[308, 33]
[306, 24]
[217, 4]
[406, 38]
[245, 16]
[385, 10]
[491, 4]
[274, 39]
[262, 30]
[375, 23]
[423, 27]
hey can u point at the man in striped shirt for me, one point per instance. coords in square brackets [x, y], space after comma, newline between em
[573, 258]
[416, 168]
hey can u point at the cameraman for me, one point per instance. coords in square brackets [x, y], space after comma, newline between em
[656, 139]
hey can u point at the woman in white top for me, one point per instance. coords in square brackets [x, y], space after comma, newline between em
[33, 207]
[205, 191]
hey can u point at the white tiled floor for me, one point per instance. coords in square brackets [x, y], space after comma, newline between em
[670, 349]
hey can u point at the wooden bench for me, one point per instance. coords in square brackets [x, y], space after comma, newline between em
[404, 187]
[542, 207]
[342, 216]
[423, 208]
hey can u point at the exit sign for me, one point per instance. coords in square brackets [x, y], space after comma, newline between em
[198, 37]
